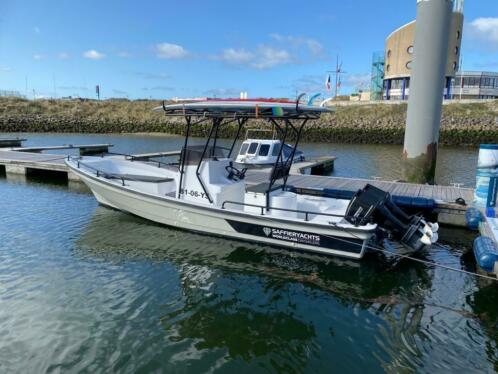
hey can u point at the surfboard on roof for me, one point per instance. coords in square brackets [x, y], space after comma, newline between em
[249, 107]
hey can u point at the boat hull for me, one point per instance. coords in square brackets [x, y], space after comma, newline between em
[300, 236]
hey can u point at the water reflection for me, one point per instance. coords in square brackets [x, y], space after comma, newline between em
[249, 299]
[373, 280]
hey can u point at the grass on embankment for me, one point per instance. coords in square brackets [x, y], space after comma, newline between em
[470, 124]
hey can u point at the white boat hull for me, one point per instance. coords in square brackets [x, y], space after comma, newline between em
[317, 238]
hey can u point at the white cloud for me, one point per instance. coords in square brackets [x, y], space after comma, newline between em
[314, 47]
[123, 54]
[263, 57]
[63, 56]
[38, 56]
[236, 56]
[269, 57]
[170, 51]
[485, 28]
[93, 54]
[5, 69]
[36, 29]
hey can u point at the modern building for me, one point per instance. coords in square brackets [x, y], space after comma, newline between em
[398, 57]
[475, 85]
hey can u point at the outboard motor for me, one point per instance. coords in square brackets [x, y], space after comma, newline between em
[372, 204]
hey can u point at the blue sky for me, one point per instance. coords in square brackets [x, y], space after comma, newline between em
[162, 49]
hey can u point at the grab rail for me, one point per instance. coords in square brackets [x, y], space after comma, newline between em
[263, 208]
[133, 158]
[98, 172]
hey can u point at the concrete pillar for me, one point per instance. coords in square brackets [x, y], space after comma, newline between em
[15, 169]
[427, 85]
[72, 177]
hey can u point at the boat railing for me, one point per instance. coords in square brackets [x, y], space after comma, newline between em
[121, 177]
[129, 157]
[263, 208]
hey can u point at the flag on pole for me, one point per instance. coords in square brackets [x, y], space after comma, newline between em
[327, 83]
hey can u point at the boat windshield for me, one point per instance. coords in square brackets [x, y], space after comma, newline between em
[243, 149]
[252, 148]
[276, 150]
[264, 149]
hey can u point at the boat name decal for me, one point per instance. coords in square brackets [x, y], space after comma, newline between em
[294, 236]
[253, 230]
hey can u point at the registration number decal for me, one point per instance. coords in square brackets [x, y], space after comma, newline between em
[193, 193]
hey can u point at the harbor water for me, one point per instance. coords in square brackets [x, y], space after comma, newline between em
[86, 288]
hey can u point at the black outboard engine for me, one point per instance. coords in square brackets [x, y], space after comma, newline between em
[373, 205]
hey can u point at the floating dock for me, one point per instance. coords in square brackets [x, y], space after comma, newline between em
[84, 149]
[21, 163]
[315, 166]
[449, 211]
[11, 142]
[445, 197]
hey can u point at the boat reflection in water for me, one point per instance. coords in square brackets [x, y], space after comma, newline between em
[239, 301]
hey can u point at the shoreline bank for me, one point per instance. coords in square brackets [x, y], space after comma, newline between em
[462, 123]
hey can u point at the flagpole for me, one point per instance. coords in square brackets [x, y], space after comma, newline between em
[336, 75]
[338, 71]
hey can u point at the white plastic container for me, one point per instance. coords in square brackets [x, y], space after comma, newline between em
[487, 176]
[488, 156]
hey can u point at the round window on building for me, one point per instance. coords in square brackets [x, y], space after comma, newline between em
[388, 53]
[458, 34]
[388, 67]
[457, 50]
[410, 49]
[455, 66]
[409, 65]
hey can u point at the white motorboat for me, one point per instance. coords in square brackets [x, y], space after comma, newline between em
[206, 192]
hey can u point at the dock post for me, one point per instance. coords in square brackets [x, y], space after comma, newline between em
[72, 177]
[15, 169]
[427, 85]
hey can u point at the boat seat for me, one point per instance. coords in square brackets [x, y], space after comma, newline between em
[137, 178]
[262, 187]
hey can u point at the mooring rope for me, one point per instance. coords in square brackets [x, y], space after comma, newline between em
[399, 255]
[419, 260]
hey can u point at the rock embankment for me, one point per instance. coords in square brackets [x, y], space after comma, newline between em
[462, 124]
